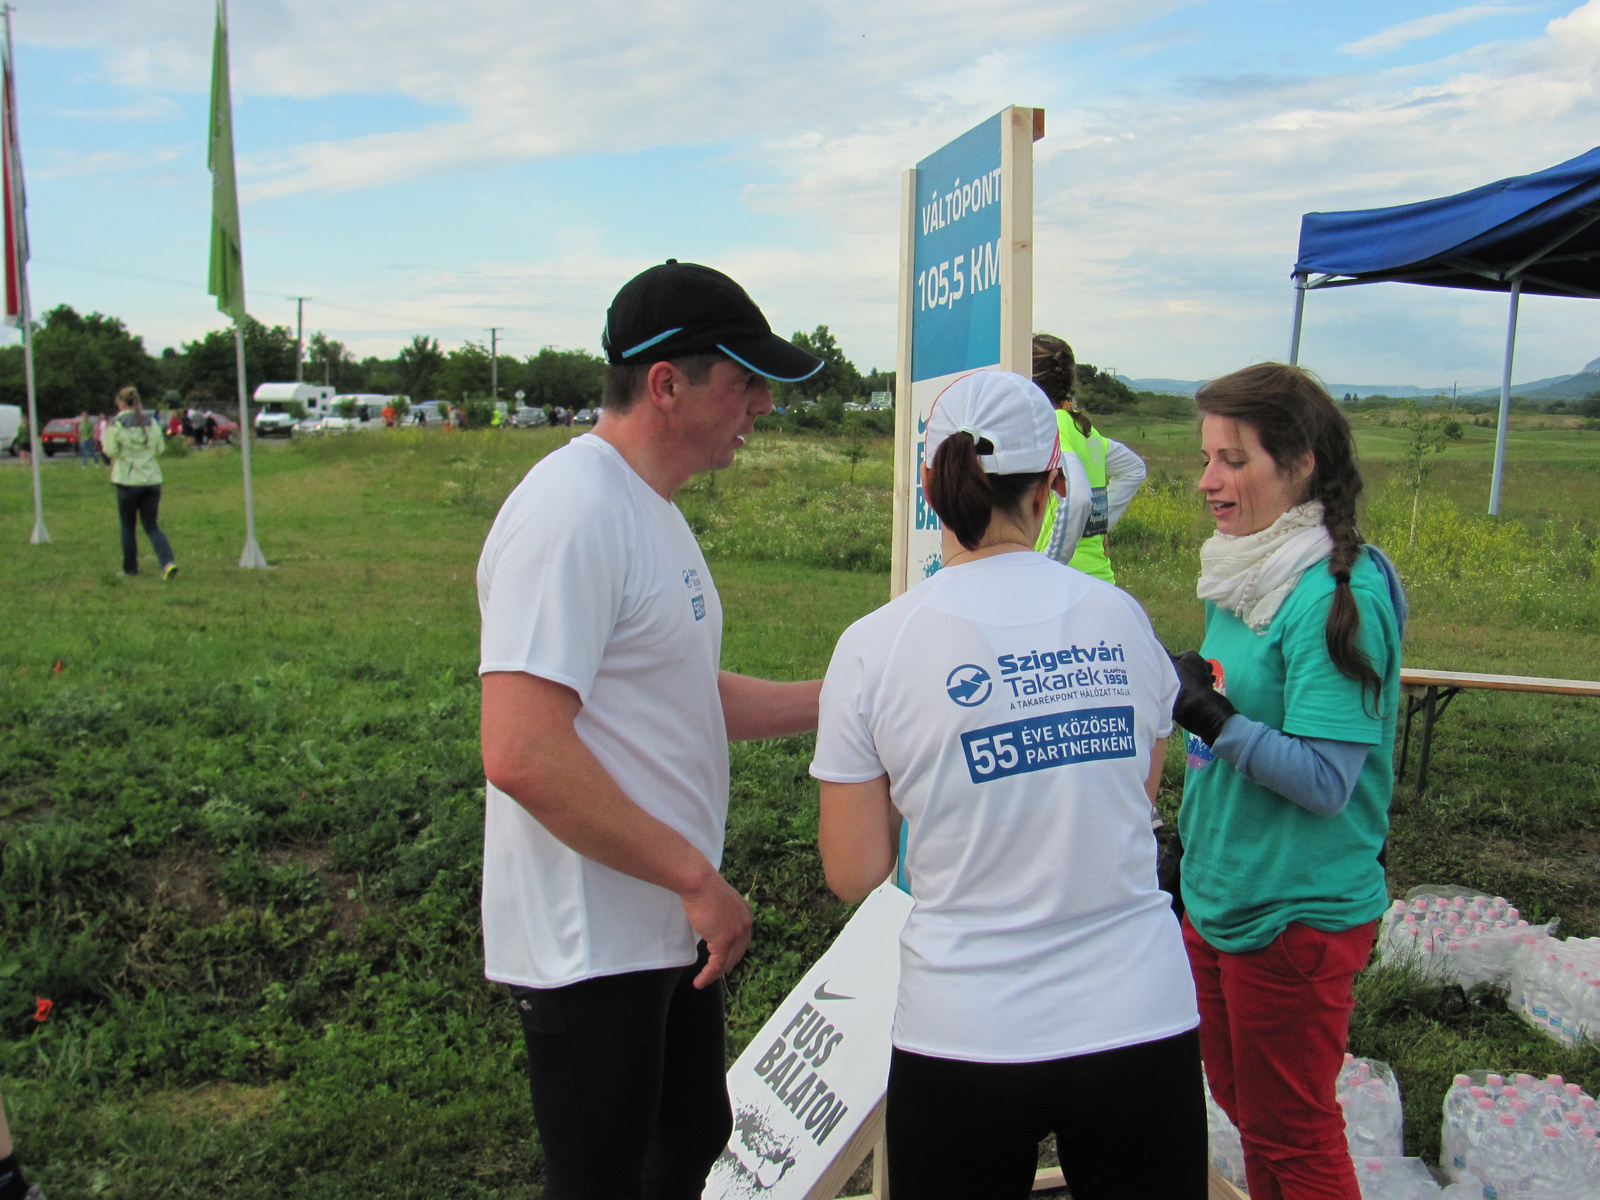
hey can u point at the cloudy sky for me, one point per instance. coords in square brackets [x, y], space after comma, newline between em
[440, 168]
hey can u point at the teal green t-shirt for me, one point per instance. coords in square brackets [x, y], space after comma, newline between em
[1254, 861]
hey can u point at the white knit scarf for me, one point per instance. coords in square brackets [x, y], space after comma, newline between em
[1252, 575]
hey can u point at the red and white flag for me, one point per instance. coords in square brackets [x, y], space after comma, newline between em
[16, 201]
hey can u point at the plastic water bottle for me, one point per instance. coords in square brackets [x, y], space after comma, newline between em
[1503, 1161]
[1458, 1102]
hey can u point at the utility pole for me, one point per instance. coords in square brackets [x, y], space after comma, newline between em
[494, 361]
[299, 337]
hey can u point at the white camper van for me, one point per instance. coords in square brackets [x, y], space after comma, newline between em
[275, 406]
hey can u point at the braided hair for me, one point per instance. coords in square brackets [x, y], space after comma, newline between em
[1293, 415]
[1055, 370]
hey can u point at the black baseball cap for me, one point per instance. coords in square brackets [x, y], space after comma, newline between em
[678, 308]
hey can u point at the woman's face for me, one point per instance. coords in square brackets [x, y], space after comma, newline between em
[1243, 487]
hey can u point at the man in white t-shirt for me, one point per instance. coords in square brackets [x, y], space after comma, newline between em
[606, 722]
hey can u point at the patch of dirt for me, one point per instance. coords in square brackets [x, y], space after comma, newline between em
[349, 910]
[215, 1102]
[182, 879]
[1577, 867]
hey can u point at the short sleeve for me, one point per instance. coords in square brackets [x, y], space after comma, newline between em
[846, 752]
[1318, 700]
[551, 588]
[1166, 676]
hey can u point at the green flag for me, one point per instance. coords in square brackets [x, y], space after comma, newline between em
[227, 258]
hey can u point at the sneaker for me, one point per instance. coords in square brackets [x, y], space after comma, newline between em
[168, 571]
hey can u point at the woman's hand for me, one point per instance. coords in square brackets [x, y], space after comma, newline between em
[1200, 708]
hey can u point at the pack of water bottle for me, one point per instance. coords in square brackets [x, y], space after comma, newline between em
[1369, 1094]
[1555, 985]
[1456, 935]
[1374, 1120]
[1517, 1137]
[1227, 1152]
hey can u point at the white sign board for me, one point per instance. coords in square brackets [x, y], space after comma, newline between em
[818, 1070]
[966, 298]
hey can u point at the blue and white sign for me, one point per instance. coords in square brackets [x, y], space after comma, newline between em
[955, 323]
[960, 258]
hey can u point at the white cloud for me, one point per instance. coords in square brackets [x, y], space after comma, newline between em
[1406, 32]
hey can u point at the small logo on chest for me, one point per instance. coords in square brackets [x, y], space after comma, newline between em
[697, 595]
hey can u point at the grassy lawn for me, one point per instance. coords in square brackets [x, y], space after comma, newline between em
[241, 825]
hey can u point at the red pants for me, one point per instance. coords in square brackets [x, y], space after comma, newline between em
[1273, 1028]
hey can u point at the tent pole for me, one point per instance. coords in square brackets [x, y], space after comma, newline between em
[1505, 401]
[1299, 316]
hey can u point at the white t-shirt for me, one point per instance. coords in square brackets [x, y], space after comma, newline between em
[1013, 703]
[591, 579]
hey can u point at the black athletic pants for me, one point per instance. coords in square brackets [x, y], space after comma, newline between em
[142, 504]
[1130, 1124]
[629, 1080]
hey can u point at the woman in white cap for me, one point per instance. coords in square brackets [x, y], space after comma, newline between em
[1015, 714]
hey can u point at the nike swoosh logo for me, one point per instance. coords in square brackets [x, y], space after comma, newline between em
[822, 993]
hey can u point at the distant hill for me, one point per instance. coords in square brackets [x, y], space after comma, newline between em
[1556, 387]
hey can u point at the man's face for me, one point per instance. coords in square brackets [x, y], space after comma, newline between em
[717, 416]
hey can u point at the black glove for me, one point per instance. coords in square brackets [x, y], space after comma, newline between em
[1200, 708]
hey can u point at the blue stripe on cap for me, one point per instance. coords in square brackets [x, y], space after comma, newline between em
[769, 374]
[660, 337]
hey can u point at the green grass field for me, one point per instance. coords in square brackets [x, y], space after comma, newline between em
[241, 824]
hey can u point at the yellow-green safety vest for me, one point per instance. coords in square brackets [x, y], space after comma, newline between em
[1090, 556]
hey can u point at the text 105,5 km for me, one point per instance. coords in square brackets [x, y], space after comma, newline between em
[961, 276]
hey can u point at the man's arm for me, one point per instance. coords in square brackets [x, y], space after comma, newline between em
[858, 833]
[759, 708]
[532, 753]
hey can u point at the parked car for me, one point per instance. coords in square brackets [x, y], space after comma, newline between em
[585, 416]
[227, 427]
[530, 418]
[275, 420]
[60, 434]
[12, 429]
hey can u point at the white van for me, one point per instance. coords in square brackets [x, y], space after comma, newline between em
[275, 406]
[11, 424]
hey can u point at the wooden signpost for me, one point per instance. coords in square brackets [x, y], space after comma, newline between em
[966, 298]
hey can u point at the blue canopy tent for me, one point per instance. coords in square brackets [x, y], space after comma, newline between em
[1530, 233]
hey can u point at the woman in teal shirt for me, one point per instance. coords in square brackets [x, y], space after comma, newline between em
[1290, 707]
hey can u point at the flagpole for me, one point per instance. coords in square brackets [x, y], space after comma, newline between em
[227, 256]
[252, 556]
[18, 253]
[40, 535]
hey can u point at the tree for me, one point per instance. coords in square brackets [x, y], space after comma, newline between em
[568, 378]
[333, 363]
[465, 372]
[838, 375]
[419, 365]
[79, 363]
[1426, 435]
[1589, 406]
[211, 361]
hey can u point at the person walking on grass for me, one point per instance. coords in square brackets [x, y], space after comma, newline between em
[606, 723]
[88, 448]
[1014, 714]
[133, 442]
[1291, 705]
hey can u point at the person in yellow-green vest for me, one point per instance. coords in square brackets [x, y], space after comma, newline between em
[1114, 471]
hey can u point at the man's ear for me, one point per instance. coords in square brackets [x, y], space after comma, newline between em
[663, 384]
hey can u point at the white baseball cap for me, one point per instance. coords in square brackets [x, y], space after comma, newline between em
[1006, 408]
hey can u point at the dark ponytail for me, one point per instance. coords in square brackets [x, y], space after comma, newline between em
[1055, 370]
[1293, 415]
[965, 496]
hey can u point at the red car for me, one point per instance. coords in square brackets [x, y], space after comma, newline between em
[227, 428]
[60, 434]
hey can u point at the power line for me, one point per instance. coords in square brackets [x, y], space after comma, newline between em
[406, 322]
